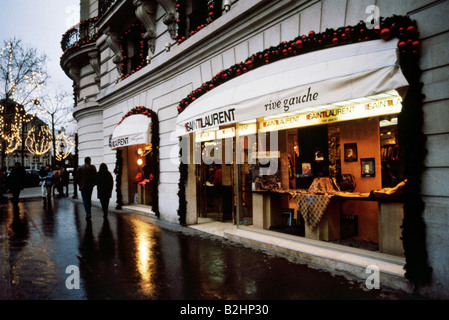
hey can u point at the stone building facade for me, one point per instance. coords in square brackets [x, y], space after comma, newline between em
[155, 55]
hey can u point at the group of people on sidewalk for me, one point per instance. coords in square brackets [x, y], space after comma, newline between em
[57, 179]
[53, 180]
[15, 181]
[86, 177]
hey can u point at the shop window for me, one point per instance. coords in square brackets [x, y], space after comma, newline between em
[134, 49]
[320, 173]
[195, 14]
[389, 152]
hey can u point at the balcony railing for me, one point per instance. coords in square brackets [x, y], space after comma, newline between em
[104, 6]
[83, 33]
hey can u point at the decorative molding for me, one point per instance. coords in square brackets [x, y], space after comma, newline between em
[95, 63]
[113, 41]
[170, 16]
[146, 13]
[74, 72]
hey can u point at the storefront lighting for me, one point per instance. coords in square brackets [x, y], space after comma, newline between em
[386, 123]
[139, 152]
[139, 162]
[249, 121]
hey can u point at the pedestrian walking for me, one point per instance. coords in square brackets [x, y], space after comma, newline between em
[65, 177]
[48, 184]
[105, 184]
[16, 181]
[42, 175]
[86, 181]
[57, 181]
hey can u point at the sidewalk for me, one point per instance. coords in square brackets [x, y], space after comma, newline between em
[35, 192]
[336, 259]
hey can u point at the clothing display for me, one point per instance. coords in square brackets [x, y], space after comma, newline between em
[312, 203]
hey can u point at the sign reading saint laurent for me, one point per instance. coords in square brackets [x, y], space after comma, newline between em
[211, 120]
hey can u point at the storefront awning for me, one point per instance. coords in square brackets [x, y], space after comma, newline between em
[132, 130]
[314, 79]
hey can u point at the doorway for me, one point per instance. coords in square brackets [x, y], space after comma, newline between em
[214, 183]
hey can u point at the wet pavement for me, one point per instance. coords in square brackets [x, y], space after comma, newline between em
[133, 257]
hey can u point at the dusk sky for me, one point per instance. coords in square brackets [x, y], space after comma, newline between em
[40, 24]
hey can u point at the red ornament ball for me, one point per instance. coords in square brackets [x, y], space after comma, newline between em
[402, 45]
[385, 34]
[411, 29]
[416, 45]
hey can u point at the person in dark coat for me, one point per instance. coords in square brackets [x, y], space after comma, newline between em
[105, 184]
[16, 181]
[86, 182]
[65, 177]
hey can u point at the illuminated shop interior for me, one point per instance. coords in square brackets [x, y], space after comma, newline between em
[342, 153]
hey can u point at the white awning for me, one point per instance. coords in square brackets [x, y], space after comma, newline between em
[313, 79]
[132, 130]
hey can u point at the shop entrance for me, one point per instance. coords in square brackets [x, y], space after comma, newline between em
[215, 182]
[140, 174]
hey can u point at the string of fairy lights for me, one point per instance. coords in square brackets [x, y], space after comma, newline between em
[38, 140]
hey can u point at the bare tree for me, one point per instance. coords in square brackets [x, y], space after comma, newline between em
[56, 110]
[22, 74]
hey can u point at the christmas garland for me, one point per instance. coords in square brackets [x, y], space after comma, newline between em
[133, 34]
[412, 139]
[182, 209]
[213, 11]
[155, 140]
[81, 40]
[118, 178]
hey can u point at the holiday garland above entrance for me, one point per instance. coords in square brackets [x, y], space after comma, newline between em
[155, 157]
[396, 27]
[411, 137]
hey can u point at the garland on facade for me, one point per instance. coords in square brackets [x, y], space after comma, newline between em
[118, 178]
[155, 139]
[413, 151]
[82, 37]
[213, 12]
[312, 42]
[410, 121]
[182, 184]
[130, 65]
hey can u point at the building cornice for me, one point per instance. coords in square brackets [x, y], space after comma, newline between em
[86, 109]
[226, 31]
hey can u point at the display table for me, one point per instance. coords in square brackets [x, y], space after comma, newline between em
[269, 213]
[328, 227]
[390, 221]
[320, 208]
